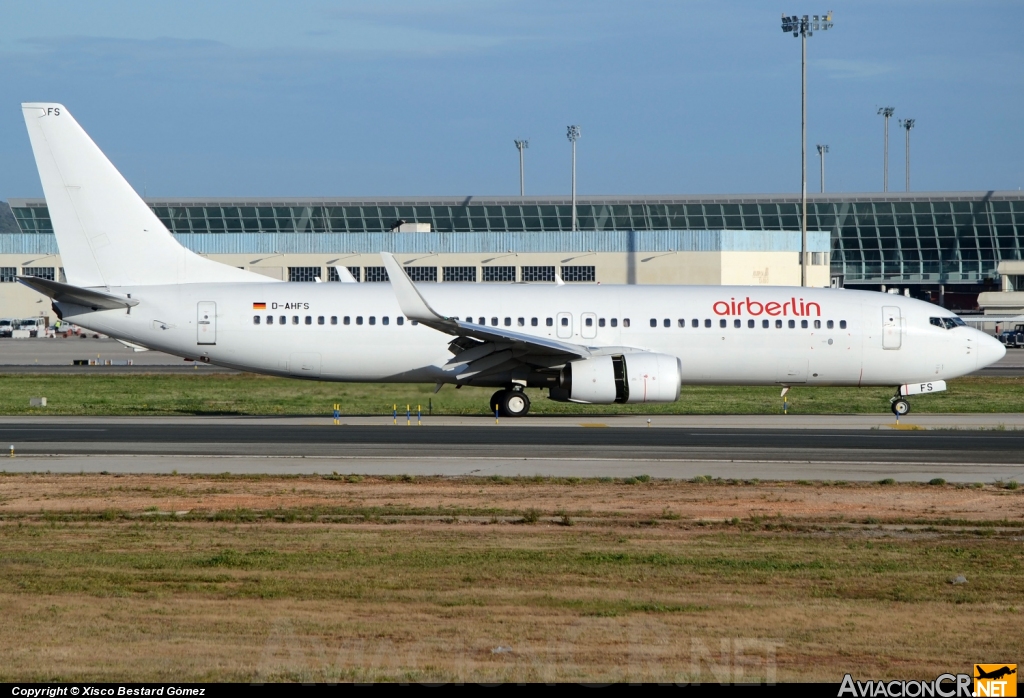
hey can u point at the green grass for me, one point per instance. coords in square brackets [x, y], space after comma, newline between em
[247, 394]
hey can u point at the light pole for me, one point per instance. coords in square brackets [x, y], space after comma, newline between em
[804, 27]
[521, 145]
[886, 112]
[573, 134]
[822, 149]
[908, 124]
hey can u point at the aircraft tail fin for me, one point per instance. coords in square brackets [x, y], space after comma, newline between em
[106, 233]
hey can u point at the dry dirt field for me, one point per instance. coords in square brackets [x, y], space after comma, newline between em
[159, 578]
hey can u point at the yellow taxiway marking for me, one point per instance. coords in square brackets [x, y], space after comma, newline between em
[906, 427]
[592, 424]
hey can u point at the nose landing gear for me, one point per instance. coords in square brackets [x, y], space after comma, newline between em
[900, 406]
[510, 403]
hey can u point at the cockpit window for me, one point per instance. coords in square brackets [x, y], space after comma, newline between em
[947, 322]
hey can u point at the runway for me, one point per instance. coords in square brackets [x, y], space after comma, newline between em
[675, 448]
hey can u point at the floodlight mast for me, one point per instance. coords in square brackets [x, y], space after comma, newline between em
[804, 27]
[822, 149]
[521, 145]
[573, 134]
[908, 124]
[886, 112]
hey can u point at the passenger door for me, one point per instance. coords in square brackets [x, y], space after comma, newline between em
[892, 327]
[206, 323]
[588, 325]
[563, 324]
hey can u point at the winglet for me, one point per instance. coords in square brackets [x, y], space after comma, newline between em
[344, 275]
[413, 305]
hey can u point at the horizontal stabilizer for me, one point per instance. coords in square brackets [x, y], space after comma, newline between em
[85, 297]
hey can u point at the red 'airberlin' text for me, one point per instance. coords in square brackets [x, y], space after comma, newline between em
[794, 306]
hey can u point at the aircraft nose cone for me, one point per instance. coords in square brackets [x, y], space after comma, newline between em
[990, 350]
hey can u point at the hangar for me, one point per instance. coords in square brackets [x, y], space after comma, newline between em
[946, 247]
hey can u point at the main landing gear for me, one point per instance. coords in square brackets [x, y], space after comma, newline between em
[510, 403]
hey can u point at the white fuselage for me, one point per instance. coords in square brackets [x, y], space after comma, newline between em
[812, 337]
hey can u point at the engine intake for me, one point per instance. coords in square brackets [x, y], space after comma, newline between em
[623, 378]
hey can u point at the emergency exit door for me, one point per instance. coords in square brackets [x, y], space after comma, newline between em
[892, 327]
[206, 323]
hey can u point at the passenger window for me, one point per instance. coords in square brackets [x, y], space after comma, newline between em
[295, 319]
[508, 322]
[483, 321]
[667, 322]
[778, 324]
[334, 319]
[565, 322]
[842, 324]
[829, 324]
[533, 322]
[270, 319]
[549, 322]
[722, 322]
[309, 319]
[347, 320]
[320, 320]
[385, 320]
[803, 324]
[695, 323]
[400, 320]
[625, 322]
[359, 319]
[764, 324]
[255, 319]
[600, 322]
[589, 322]
[521, 322]
[494, 322]
[373, 319]
[615, 322]
[707, 323]
[282, 320]
[414, 323]
[792, 324]
[654, 323]
[817, 324]
[682, 322]
[737, 323]
[750, 323]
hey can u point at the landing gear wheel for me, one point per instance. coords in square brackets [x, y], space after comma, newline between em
[900, 407]
[514, 403]
[496, 400]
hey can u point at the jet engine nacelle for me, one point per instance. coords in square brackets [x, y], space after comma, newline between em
[640, 377]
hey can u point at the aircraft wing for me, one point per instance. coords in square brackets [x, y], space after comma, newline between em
[480, 350]
[85, 297]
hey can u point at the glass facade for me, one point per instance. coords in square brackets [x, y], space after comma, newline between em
[876, 238]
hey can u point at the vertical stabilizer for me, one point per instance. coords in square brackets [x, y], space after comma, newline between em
[106, 233]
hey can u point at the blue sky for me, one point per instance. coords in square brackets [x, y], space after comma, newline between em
[409, 97]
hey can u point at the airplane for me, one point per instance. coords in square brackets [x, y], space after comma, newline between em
[127, 277]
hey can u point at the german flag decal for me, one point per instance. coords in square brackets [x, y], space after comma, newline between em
[259, 306]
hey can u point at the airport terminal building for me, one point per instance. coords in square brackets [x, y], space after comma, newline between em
[949, 248]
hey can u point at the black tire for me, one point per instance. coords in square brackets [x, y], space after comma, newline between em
[515, 403]
[496, 400]
[900, 407]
